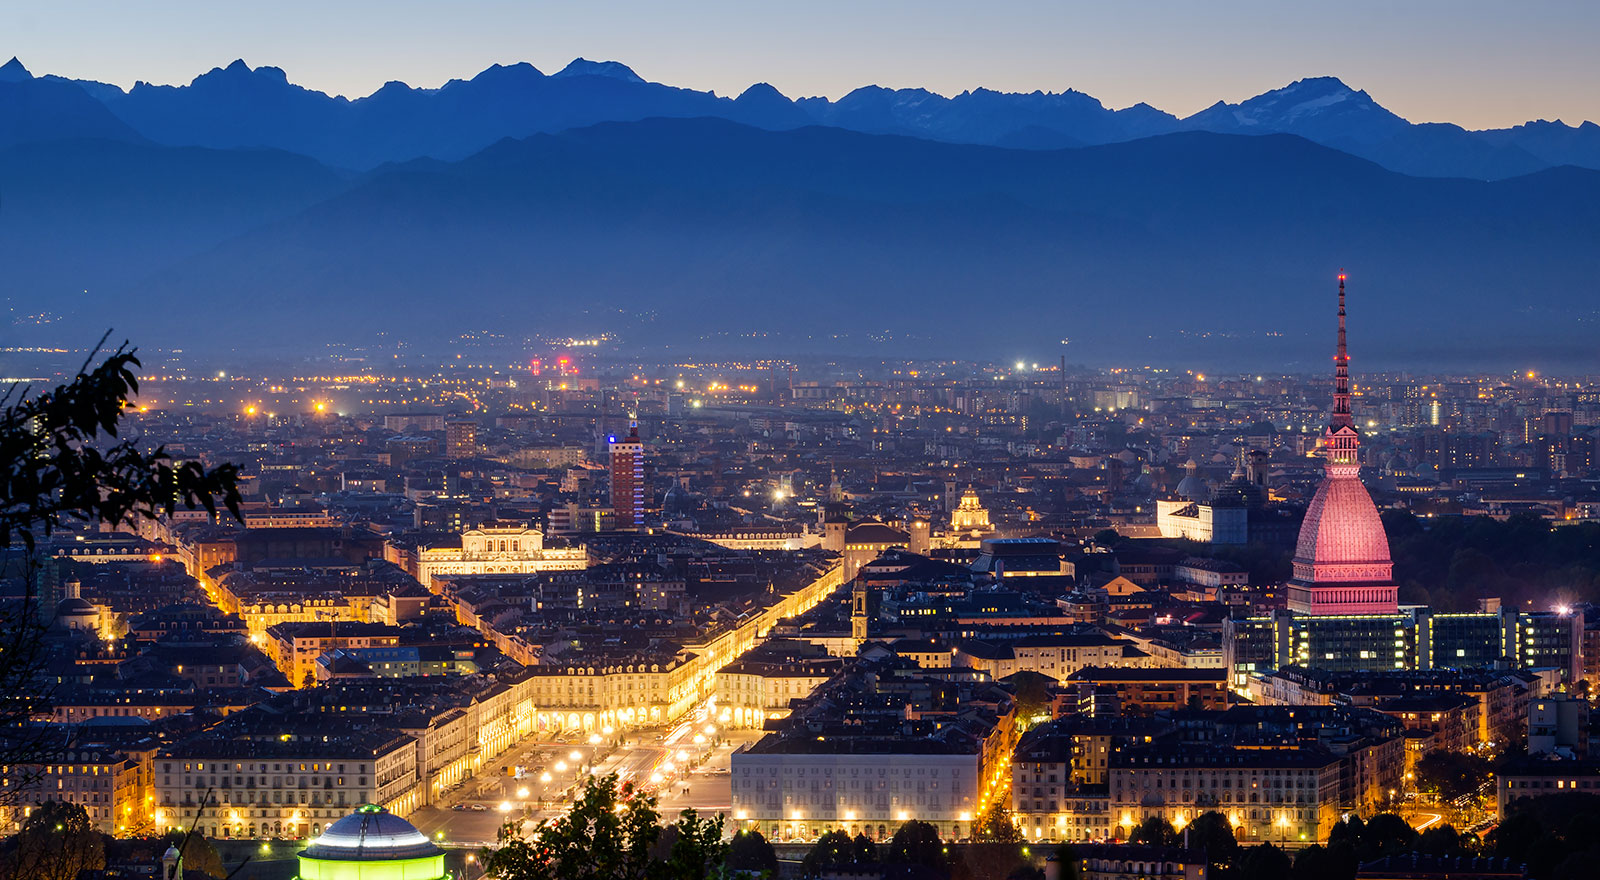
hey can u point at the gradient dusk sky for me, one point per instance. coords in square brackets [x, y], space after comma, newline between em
[1473, 62]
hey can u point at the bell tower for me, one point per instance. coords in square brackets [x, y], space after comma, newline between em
[859, 601]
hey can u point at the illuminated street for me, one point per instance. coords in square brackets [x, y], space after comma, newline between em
[685, 775]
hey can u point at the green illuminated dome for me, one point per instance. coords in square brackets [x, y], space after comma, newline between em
[372, 844]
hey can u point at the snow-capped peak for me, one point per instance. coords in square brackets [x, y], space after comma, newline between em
[612, 69]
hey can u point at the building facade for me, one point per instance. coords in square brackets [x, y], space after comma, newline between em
[497, 548]
[627, 480]
[292, 788]
[1285, 797]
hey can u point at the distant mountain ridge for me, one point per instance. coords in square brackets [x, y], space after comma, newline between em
[243, 214]
[239, 106]
[710, 236]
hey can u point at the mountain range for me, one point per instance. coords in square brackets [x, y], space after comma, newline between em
[282, 220]
[240, 107]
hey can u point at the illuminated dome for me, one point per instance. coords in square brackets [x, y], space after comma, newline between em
[970, 515]
[1342, 538]
[372, 844]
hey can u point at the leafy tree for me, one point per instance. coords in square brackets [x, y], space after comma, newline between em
[1473, 574]
[1333, 862]
[1154, 831]
[608, 835]
[996, 826]
[1212, 833]
[866, 852]
[1552, 834]
[1386, 834]
[1348, 832]
[750, 851]
[1516, 835]
[1451, 774]
[917, 843]
[697, 849]
[65, 462]
[1577, 866]
[1034, 692]
[1264, 862]
[199, 854]
[834, 849]
[1443, 840]
[57, 842]
[1066, 859]
[62, 461]
[1456, 560]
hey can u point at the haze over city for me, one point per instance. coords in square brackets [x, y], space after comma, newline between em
[1028, 441]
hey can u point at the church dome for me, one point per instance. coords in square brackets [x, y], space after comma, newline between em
[370, 834]
[1342, 528]
[76, 613]
[75, 607]
[1191, 487]
[677, 499]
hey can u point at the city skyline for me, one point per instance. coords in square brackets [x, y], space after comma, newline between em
[908, 483]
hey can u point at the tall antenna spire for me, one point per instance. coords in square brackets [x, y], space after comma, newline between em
[1341, 372]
